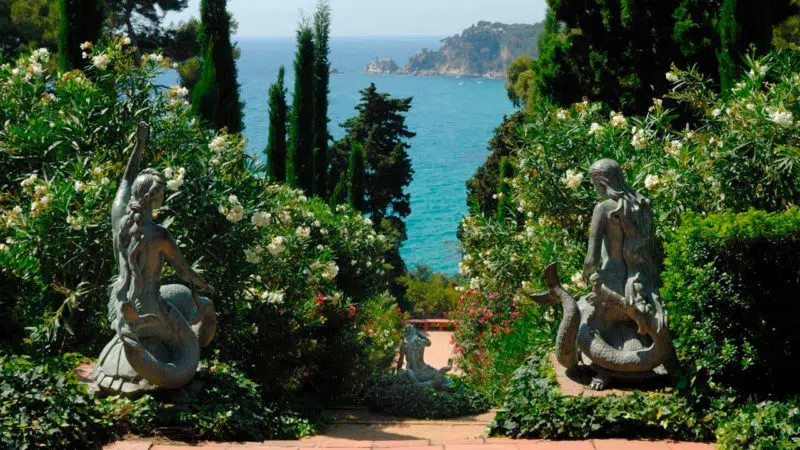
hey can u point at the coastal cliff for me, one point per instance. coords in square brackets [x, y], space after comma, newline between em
[482, 50]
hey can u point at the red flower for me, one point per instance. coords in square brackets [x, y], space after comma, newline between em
[320, 299]
[351, 310]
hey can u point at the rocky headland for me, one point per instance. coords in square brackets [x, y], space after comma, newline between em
[482, 50]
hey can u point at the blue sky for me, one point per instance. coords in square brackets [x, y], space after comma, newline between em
[375, 17]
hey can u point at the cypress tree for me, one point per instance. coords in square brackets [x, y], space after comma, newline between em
[322, 26]
[300, 171]
[357, 185]
[81, 21]
[276, 147]
[339, 191]
[504, 189]
[216, 95]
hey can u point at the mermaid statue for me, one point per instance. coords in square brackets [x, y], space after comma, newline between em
[620, 329]
[413, 351]
[159, 329]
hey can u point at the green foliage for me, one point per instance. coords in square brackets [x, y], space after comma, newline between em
[28, 24]
[216, 96]
[226, 406]
[278, 116]
[402, 397]
[504, 176]
[534, 407]
[762, 425]
[617, 53]
[322, 69]
[81, 21]
[141, 19]
[300, 169]
[730, 284]
[42, 405]
[355, 171]
[516, 85]
[430, 294]
[287, 268]
[482, 186]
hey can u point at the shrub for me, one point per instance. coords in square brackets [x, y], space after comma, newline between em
[402, 397]
[730, 284]
[226, 407]
[42, 405]
[288, 270]
[762, 425]
[534, 407]
[429, 294]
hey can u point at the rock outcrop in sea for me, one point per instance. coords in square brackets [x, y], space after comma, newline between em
[381, 65]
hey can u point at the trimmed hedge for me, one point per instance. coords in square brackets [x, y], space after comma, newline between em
[731, 283]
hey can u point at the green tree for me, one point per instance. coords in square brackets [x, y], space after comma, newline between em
[300, 170]
[521, 65]
[322, 68]
[504, 189]
[339, 192]
[380, 127]
[28, 24]
[276, 146]
[81, 21]
[216, 95]
[355, 170]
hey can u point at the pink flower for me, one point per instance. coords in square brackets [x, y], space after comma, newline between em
[351, 311]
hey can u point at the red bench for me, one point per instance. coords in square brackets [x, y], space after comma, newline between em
[427, 323]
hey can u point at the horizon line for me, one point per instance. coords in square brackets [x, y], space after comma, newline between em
[379, 36]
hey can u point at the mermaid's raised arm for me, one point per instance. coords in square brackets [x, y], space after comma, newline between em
[131, 170]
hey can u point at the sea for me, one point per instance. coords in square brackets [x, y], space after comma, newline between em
[453, 117]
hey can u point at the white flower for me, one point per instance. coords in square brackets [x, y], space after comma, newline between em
[276, 247]
[101, 61]
[618, 120]
[316, 224]
[463, 268]
[80, 186]
[178, 91]
[594, 128]
[236, 211]
[367, 221]
[303, 232]
[41, 54]
[261, 218]
[105, 181]
[175, 183]
[716, 112]
[639, 140]
[218, 145]
[35, 69]
[30, 181]
[674, 148]
[652, 181]
[215, 162]
[253, 255]
[475, 283]
[273, 298]
[254, 329]
[285, 216]
[572, 179]
[781, 117]
[76, 223]
[578, 281]
[168, 173]
[45, 200]
[86, 45]
[672, 77]
[84, 55]
[126, 40]
[330, 271]
[561, 114]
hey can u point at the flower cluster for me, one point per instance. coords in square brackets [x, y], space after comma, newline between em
[235, 212]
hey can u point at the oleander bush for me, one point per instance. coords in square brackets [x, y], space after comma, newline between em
[730, 284]
[400, 396]
[292, 276]
[737, 151]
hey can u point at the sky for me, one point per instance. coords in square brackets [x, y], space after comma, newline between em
[374, 17]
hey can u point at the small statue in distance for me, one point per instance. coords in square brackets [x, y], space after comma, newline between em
[413, 350]
[159, 329]
[621, 326]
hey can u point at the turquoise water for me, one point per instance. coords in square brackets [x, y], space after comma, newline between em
[453, 119]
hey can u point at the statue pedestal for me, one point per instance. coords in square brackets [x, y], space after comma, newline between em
[574, 383]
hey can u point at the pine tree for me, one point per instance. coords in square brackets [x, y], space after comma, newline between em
[215, 97]
[81, 21]
[380, 128]
[355, 170]
[300, 171]
[504, 189]
[322, 25]
[276, 147]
